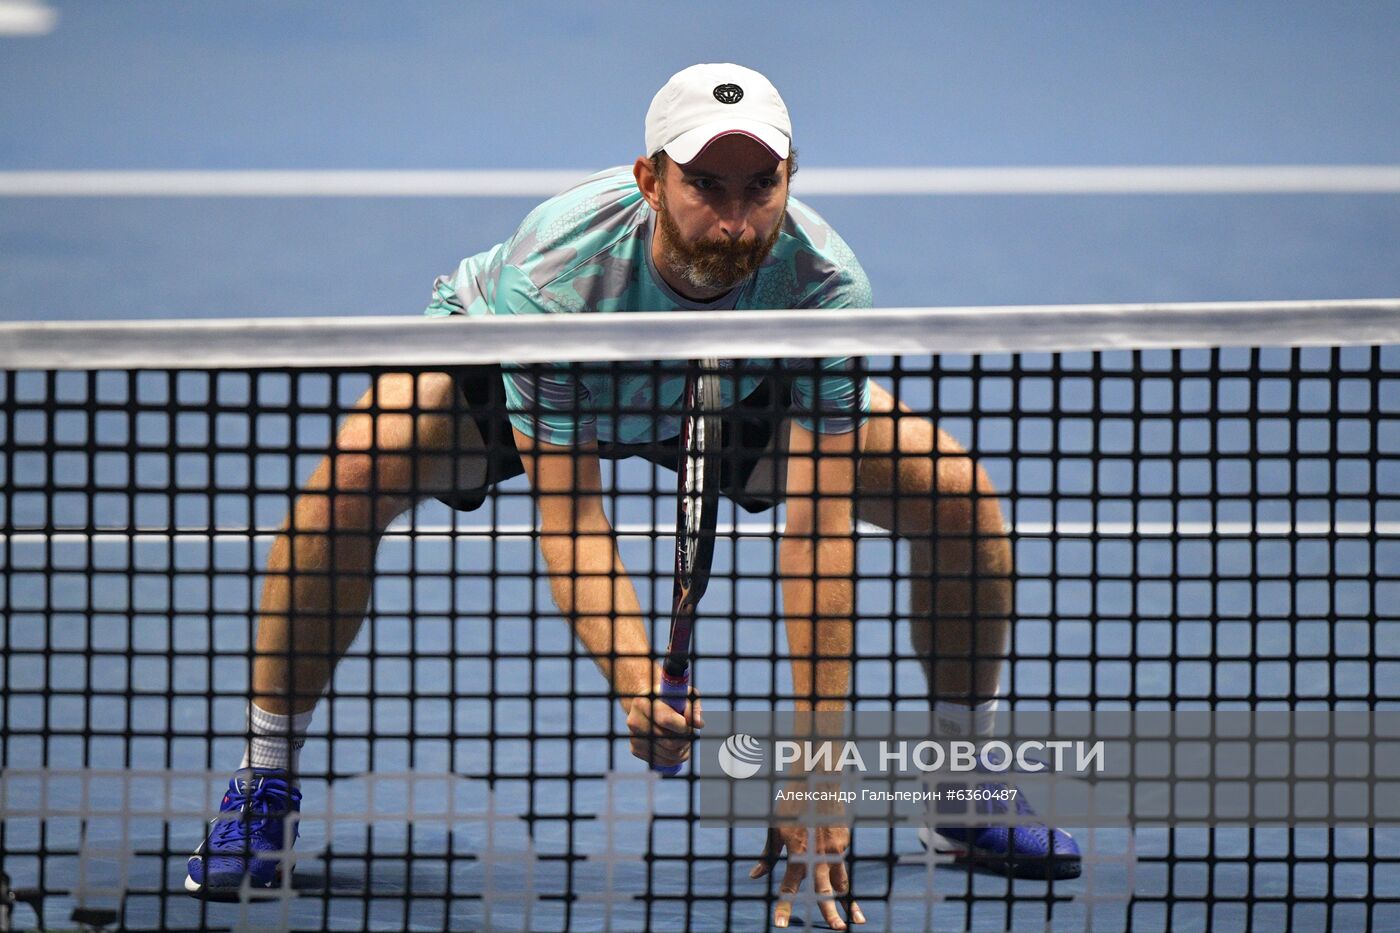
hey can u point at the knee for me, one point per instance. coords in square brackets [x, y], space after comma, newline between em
[352, 492]
[373, 474]
[971, 499]
[964, 501]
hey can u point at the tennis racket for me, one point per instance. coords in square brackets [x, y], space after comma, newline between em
[698, 503]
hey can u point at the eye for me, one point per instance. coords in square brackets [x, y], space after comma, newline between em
[764, 184]
[705, 184]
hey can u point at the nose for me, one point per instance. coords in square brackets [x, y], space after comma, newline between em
[734, 219]
[735, 230]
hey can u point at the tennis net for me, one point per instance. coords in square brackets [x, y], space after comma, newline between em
[1198, 504]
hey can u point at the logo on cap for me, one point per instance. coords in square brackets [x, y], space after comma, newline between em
[729, 93]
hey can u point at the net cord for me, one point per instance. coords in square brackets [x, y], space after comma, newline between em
[411, 341]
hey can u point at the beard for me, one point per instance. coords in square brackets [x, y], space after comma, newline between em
[713, 263]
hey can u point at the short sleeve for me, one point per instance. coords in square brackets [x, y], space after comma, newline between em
[471, 289]
[547, 401]
[832, 395]
[550, 404]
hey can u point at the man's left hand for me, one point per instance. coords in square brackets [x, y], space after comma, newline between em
[829, 878]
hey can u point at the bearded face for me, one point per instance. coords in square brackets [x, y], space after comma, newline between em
[713, 262]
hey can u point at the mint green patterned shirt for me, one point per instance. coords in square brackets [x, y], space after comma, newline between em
[588, 251]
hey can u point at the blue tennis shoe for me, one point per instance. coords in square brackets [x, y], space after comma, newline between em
[1029, 849]
[248, 839]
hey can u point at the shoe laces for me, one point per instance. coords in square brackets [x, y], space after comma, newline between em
[998, 805]
[258, 806]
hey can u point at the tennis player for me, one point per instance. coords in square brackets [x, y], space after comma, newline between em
[703, 220]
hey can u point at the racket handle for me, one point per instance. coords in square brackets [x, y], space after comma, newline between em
[675, 691]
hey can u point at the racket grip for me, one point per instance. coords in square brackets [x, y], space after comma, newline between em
[675, 691]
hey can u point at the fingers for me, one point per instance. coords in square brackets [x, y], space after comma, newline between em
[792, 881]
[657, 748]
[821, 883]
[660, 735]
[796, 843]
[841, 888]
[667, 719]
[830, 879]
[655, 752]
[697, 713]
[772, 851]
[840, 881]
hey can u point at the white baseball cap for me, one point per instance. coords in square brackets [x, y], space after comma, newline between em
[704, 102]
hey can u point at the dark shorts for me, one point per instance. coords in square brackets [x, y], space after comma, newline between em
[749, 429]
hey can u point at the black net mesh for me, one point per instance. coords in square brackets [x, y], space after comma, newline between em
[1190, 529]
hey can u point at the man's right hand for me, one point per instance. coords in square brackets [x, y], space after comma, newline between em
[660, 735]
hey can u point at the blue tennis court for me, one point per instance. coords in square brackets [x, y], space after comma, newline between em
[1184, 533]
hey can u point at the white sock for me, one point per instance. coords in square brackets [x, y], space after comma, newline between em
[952, 720]
[958, 720]
[275, 741]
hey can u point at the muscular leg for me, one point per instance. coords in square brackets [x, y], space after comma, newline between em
[318, 578]
[408, 438]
[917, 482]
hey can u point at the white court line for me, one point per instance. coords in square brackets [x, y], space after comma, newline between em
[1106, 529]
[26, 18]
[869, 180]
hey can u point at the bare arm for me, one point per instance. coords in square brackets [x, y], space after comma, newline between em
[817, 563]
[592, 588]
[589, 582]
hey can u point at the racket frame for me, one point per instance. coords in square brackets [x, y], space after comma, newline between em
[700, 457]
